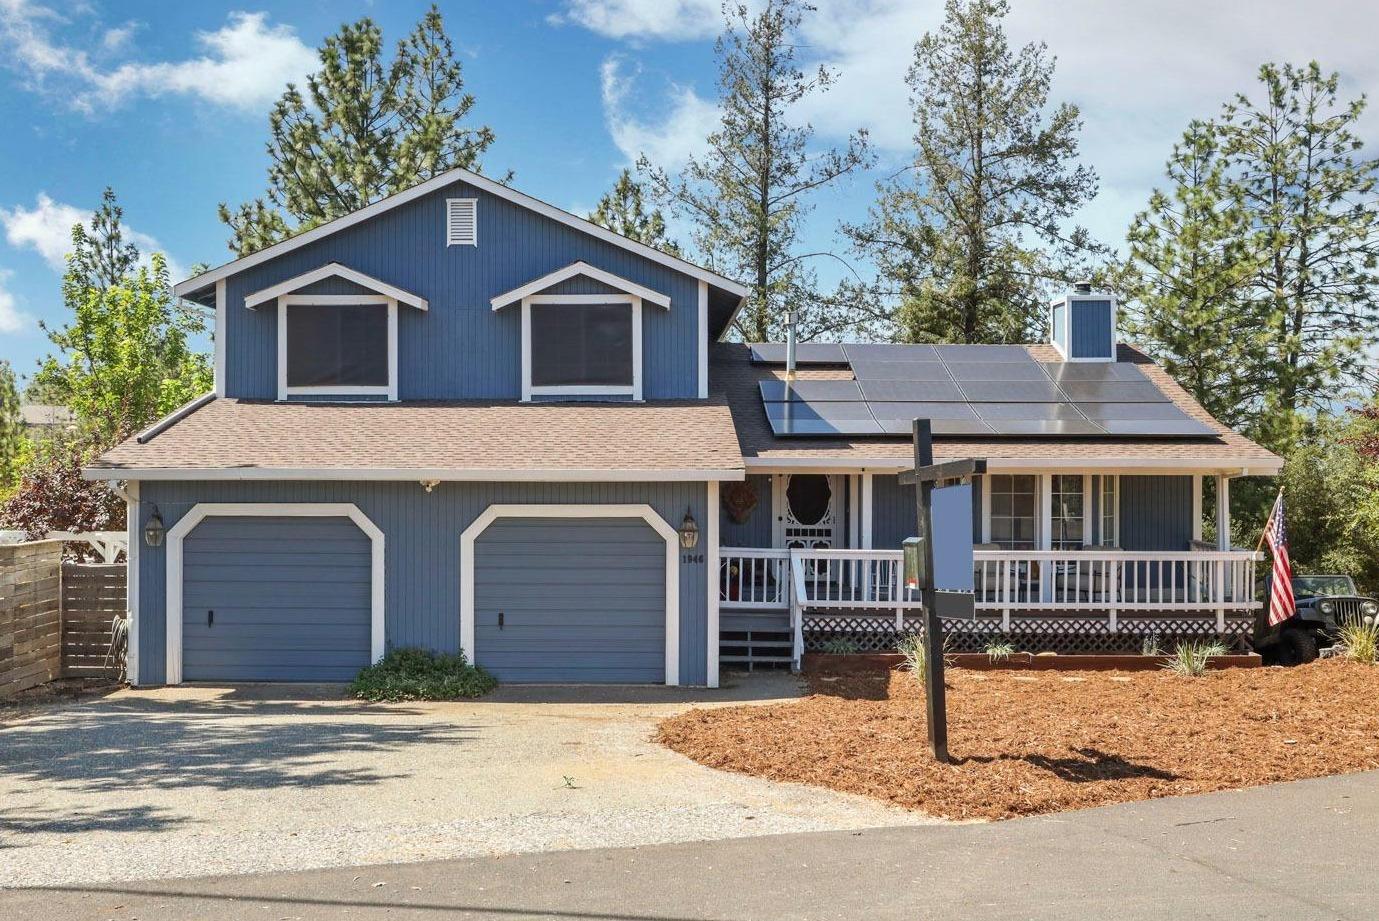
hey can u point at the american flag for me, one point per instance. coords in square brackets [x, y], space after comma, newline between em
[1282, 603]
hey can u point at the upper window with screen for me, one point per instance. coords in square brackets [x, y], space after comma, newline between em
[337, 346]
[581, 345]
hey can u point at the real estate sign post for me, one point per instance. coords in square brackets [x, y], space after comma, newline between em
[955, 603]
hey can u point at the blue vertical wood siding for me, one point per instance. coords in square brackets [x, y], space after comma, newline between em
[461, 347]
[893, 511]
[756, 530]
[1090, 329]
[1155, 512]
[422, 534]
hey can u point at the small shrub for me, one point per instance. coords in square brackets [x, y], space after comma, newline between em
[1190, 658]
[840, 646]
[913, 648]
[998, 650]
[1359, 639]
[1150, 646]
[420, 674]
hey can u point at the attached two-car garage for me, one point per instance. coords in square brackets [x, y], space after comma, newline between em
[568, 594]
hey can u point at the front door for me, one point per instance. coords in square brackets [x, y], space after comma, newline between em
[809, 511]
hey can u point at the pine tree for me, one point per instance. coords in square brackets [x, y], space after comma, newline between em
[1192, 258]
[1298, 166]
[747, 196]
[967, 242]
[12, 436]
[102, 257]
[623, 210]
[363, 129]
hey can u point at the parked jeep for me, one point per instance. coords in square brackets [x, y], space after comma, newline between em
[1324, 602]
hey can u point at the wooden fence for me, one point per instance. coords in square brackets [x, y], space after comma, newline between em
[55, 617]
[93, 595]
[30, 614]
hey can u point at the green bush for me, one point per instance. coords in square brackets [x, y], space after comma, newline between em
[420, 674]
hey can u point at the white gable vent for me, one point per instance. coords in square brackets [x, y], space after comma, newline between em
[461, 222]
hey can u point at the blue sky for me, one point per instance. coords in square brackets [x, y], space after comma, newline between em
[168, 102]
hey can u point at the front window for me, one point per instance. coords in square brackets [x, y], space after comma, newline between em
[337, 346]
[1068, 506]
[1014, 511]
[582, 347]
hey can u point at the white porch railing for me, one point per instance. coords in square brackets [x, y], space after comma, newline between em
[1005, 581]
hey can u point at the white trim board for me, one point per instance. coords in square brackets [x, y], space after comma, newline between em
[135, 538]
[644, 512]
[389, 390]
[450, 177]
[219, 334]
[203, 510]
[445, 474]
[335, 270]
[633, 390]
[574, 270]
[712, 592]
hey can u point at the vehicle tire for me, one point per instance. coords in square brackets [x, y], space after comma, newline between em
[1296, 646]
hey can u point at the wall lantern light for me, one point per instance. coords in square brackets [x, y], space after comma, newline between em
[689, 531]
[153, 529]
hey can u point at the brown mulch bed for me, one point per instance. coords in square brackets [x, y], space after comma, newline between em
[1028, 743]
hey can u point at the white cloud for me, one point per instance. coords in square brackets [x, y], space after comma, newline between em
[11, 319]
[245, 64]
[684, 122]
[666, 20]
[46, 228]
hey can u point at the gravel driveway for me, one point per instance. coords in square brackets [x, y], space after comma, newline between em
[208, 780]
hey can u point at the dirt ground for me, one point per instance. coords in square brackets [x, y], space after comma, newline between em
[1028, 743]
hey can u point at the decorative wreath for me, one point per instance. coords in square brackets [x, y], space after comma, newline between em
[739, 499]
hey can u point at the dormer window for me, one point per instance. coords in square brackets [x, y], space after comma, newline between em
[336, 345]
[581, 345]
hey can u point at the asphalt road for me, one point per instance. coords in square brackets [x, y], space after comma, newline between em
[1292, 852]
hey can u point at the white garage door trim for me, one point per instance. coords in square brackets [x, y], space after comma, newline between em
[644, 512]
[201, 511]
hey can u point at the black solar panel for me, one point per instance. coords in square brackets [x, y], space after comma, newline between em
[1113, 392]
[983, 353]
[777, 391]
[1046, 411]
[822, 418]
[938, 427]
[996, 371]
[806, 353]
[885, 351]
[909, 411]
[1159, 428]
[1045, 391]
[1141, 412]
[900, 371]
[1065, 428]
[930, 391]
[1092, 371]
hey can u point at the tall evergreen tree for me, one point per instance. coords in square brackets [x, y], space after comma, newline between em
[1297, 164]
[748, 195]
[623, 210]
[1192, 258]
[966, 241]
[101, 256]
[363, 129]
[11, 429]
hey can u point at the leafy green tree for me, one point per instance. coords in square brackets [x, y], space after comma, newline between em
[967, 241]
[1298, 166]
[124, 358]
[747, 196]
[1193, 256]
[12, 437]
[362, 130]
[623, 210]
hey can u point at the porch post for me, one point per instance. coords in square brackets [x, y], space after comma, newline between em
[866, 510]
[1196, 507]
[1223, 512]
[1045, 534]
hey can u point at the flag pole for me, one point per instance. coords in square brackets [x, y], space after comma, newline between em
[1260, 545]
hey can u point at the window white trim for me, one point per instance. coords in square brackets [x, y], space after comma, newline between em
[574, 270]
[329, 300]
[634, 303]
[1043, 507]
[483, 184]
[220, 338]
[712, 563]
[644, 512]
[335, 270]
[702, 332]
[453, 237]
[201, 511]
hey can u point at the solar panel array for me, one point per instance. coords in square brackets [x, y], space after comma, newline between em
[977, 390]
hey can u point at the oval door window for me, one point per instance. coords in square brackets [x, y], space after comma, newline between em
[810, 497]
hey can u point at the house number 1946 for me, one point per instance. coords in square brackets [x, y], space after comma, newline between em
[691, 557]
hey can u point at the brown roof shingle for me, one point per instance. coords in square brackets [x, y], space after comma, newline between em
[733, 374]
[505, 438]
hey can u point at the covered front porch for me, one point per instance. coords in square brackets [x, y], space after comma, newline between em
[1073, 560]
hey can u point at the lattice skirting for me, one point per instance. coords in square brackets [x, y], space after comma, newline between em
[1066, 635]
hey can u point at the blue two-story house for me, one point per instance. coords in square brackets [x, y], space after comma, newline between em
[463, 419]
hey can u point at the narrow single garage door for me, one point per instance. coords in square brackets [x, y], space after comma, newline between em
[570, 600]
[275, 599]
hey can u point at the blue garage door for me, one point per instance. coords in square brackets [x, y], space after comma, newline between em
[570, 600]
[275, 599]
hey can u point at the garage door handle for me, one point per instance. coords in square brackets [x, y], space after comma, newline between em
[500, 620]
[210, 618]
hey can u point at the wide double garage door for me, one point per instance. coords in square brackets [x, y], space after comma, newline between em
[275, 599]
[575, 600]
